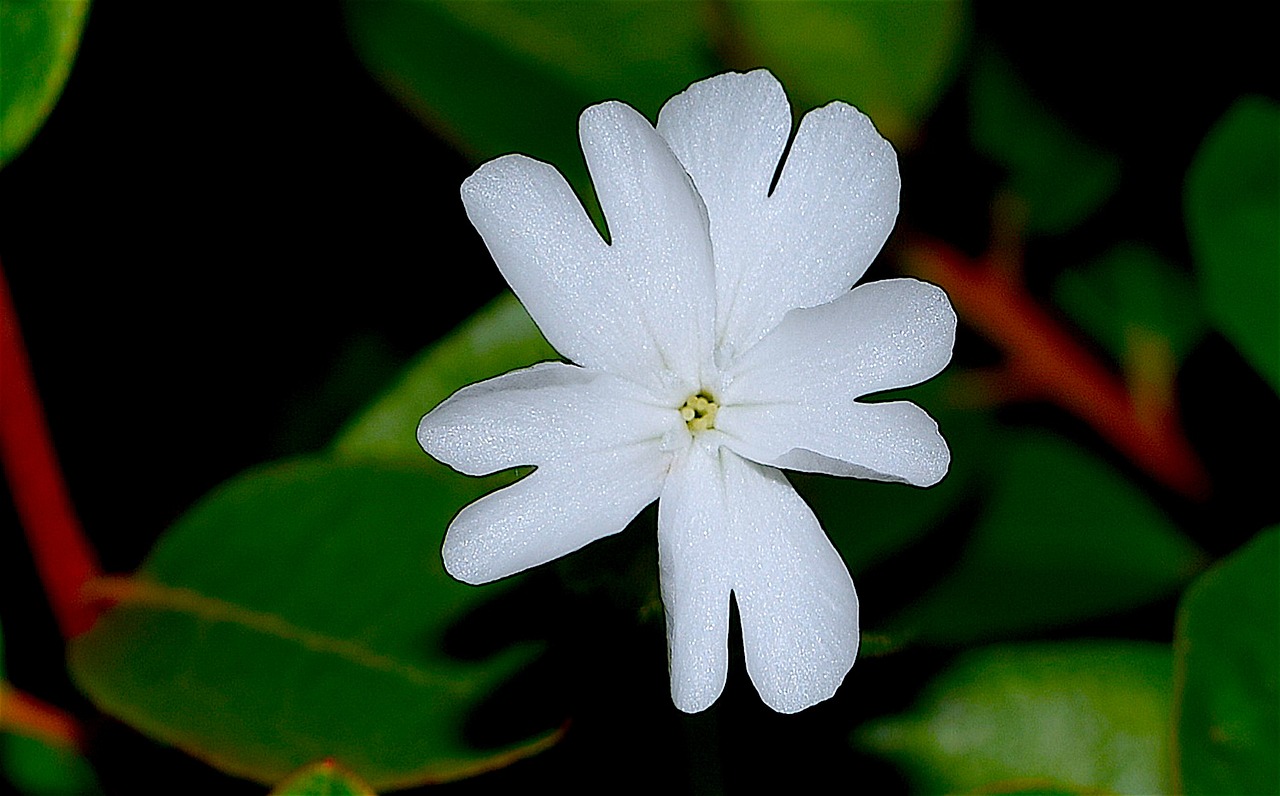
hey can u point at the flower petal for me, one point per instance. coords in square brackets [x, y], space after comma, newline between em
[726, 523]
[730, 132]
[546, 412]
[554, 259]
[894, 441]
[834, 205]
[658, 228]
[790, 401]
[696, 562]
[562, 506]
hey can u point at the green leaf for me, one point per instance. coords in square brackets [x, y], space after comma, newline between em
[512, 77]
[1233, 222]
[37, 768]
[891, 60]
[1062, 538]
[1129, 294]
[326, 778]
[1082, 717]
[498, 338]
[297, 613]
[868, 520]
[38, 42]
[1061, 177]
[1228, 667]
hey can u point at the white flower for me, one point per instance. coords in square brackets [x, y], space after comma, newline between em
[714, 340]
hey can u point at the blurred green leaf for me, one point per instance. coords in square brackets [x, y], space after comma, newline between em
[498, 338]
[297, 613]
[513, 76]
[361, 370]
[1228, 667]
[1233, 222]
[38, 42]
[326, 778]
[1132, 292]
[1081, 717]
[1063, 538]
[891, 60]
[36, 768]
[868, 520]
[1061, 178]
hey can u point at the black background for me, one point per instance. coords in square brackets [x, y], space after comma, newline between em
[224, 210]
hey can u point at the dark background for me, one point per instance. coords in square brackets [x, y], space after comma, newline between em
[227, 236]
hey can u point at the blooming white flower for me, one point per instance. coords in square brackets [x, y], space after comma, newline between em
[715, 339]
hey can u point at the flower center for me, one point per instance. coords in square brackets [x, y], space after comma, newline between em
[699, 412]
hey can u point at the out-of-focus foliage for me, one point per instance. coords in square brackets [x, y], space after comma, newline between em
[34, 767]
[1233, 221]
[295, 616]
[513, 77]
[299, 613]
[1131, 298]
[326, 778]
[1228, 674]
[891, 60]
[38, 43]
[1060, 177]
[1084, 717]
[1062, 538]
[498, 338]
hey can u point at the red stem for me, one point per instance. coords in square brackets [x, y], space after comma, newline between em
[63, 556]
[25, 715]
[1046, 359]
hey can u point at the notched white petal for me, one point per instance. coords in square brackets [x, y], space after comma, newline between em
[879, 336]
[727, 524]
[562, 506]
[695, 566]
[659, 236]
[530, 416]
[792, 402]
[892, 441]
[832, 210]
[556, 262]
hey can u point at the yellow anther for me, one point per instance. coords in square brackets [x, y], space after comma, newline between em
[699, 412]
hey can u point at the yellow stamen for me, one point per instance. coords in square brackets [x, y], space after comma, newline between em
[699, 412]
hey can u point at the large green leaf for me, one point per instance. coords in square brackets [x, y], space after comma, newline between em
[891, 60]
[498, 338]
[1063, 538]
[325, 778]
[38, 42]
[513, 76]
[1061, 177]
[1233, 221]
[1083, 717]
[297, 614]
[1228, 674]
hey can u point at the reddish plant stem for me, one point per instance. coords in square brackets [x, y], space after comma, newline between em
[23, 714]
[63, 556]
[1045, 360]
